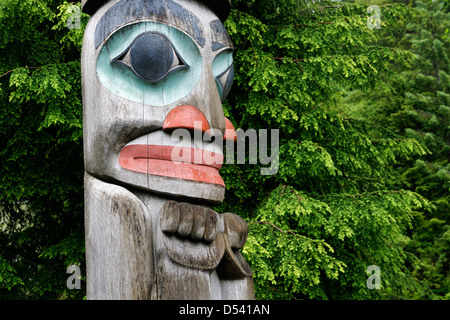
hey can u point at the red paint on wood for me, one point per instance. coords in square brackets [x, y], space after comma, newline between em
[186, 117]
[174, 162]
[230, 132]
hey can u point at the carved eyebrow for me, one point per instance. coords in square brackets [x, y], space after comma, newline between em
[125, 11]
[219, 36]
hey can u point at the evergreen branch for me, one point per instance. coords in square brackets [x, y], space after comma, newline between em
[376, 193]
[371, 141]
[296, 193]
[289, 232]
[239, 174]
[275, 227]
[327, 7]
[352, 119]
[379, 141]
[295, 60]
[7, 72]
[307, 25]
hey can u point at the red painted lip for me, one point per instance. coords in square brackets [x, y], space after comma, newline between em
[190, 163]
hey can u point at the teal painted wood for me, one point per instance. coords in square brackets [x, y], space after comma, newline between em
[222, 62]
[122, 81]
[223, 72]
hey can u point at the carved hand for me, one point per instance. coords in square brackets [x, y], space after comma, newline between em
[189, 221]
[213, 238]
[236, 229]
[198, 223]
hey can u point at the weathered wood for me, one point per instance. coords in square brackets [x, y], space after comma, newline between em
[220, 7]
[186, 269]
[119, 243]
[200, 248]
[129, 256]
[150, 230]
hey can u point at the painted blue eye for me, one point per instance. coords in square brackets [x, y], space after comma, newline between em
[116, 74]
[223, 70]
[152, 57]
[224, 82]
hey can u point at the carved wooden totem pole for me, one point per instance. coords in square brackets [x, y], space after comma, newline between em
[151, 68]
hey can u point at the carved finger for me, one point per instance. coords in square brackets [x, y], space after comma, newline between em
[186, 220]
[198, 227]
[211, 225]
[237, 230]
[170, 217]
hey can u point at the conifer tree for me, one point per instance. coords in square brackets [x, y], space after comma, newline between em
[419, 108]
[335, 207]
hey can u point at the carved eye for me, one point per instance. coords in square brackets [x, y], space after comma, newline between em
[152, 57]
[223, 71]
[224, 82]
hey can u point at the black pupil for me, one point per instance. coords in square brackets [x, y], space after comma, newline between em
[151, 56]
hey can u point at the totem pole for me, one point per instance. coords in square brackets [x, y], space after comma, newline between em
[152, 69]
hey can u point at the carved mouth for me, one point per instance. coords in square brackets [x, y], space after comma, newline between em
[180, 161]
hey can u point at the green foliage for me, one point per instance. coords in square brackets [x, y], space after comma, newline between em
[41, 202]
[354, 175]
[336, 206]
[420, 110]
[339, 236]
[8, 276]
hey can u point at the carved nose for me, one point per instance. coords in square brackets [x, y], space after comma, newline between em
[190, 118]
[185, 117]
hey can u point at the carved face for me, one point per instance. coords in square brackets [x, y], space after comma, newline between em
[149, 68]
